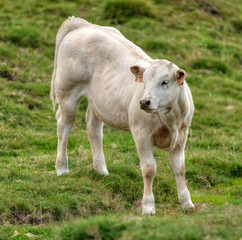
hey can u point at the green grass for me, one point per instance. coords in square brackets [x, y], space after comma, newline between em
[121, 11]
[203, 38]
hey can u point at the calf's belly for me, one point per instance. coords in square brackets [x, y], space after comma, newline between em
[110, 96]
[110, 113]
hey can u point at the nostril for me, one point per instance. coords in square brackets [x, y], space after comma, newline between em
[144, 103]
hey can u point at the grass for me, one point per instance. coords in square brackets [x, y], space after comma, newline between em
[121, 11]
[184, 227]
[202, 37]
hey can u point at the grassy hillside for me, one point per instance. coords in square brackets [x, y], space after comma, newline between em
[204, 38]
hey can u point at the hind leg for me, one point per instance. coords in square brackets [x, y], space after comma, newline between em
[65, 116]
[95, 136]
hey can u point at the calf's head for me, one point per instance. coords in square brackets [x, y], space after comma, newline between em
[161, 85]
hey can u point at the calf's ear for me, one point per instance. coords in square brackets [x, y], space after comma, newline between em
[138, 73]
[180, 76]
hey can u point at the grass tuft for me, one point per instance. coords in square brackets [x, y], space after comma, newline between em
[6, 72]
[24, 36]
[120, 11]
[237, 23]
[211, 64]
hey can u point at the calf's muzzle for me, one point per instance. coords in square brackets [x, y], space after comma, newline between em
[144, 103]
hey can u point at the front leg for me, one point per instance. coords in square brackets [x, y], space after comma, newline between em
[177, 158]
[144, 147]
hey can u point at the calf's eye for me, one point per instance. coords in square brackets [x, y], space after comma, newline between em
[164, 82]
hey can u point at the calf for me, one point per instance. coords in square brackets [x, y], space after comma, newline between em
[127, 90]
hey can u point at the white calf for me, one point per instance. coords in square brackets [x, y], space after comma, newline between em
[127, 90]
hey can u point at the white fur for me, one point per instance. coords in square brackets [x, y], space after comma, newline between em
[148, 205]
[62, 171]
[95, 62]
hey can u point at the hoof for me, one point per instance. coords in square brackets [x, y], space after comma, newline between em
[62, 171]
[103, 171]
[188, 206]
[148, 211]
[148, 205]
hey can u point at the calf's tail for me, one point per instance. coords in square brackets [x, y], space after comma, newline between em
[69, 25]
